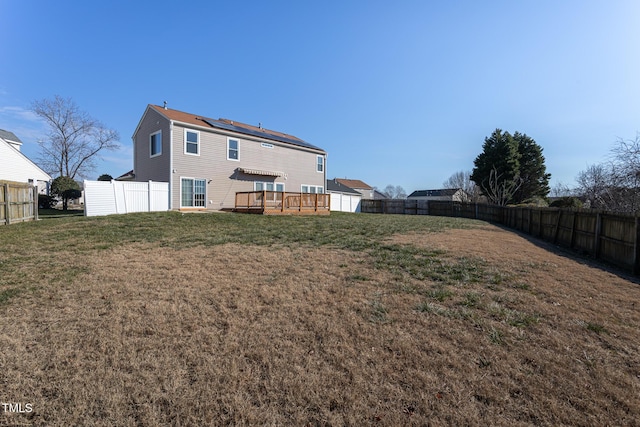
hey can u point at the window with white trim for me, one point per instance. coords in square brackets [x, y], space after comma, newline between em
[191, 142]
[320, 164]
[268, 186]
[155, 144]
[233, 149]
[193, 193]
[315, 189]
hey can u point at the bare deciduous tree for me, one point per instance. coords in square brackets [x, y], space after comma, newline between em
[561, 190]
[614, 185]
[75, 139]
[625, 172]
[395, 192]
[498, 190]
[462, 180]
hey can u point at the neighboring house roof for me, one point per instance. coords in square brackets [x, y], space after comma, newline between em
[435, 193]
[336, 186]
[354, 183]
[378, 195]
[127, 176]
[10, 137]
[231, 125]
[15, 166]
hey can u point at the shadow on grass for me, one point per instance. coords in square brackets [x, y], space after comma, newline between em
[59, 213]
[578, 256]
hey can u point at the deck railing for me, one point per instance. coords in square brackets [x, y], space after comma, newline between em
[279, 202]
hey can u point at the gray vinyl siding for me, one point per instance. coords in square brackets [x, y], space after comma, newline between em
[222, 175]
[146, 167]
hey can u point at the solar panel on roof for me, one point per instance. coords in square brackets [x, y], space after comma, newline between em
[222, 125]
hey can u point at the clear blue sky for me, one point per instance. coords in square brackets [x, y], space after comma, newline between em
[399, 93]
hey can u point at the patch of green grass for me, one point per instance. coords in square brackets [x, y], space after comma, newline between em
[496, 336]
[512, 317]
[429, 307]
[357, 278]
[471, 299]
[595, 327]
[66, 236]
[429, 264]
[362, 232]
[378, 312]
[7, 294]
[439, 293]
[521, 285]
[59, 213]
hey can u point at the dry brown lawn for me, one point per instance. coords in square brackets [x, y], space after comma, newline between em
[237, 334]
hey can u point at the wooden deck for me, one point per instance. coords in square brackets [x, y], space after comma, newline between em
[282, 203]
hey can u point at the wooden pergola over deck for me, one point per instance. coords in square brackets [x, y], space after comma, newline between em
[282, 203]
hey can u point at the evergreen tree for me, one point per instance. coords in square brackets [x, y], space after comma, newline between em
[66, 188]
[510, 168]
[496, 166]
[535, 179]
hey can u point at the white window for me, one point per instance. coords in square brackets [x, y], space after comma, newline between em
[320, 164]
[268, 186]
[312, 189]
[191, 142]
[193, 193]
[233, 149]
[155, 144]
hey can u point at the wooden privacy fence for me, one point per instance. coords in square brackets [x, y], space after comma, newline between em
[18, 202]
[611, 237]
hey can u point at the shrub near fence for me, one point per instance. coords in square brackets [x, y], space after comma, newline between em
[610, 237]
[18, 202]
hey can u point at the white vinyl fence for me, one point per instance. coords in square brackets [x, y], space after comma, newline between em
[118, 197]
[345, 202]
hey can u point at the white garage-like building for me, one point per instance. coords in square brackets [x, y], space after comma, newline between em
[343, 198]
[15, 166]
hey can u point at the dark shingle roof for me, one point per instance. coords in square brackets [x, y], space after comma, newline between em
[435, 193]
[9, 136]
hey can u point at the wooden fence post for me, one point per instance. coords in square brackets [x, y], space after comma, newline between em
[572, 240]
[636, 248]
[7, 202]
[596, 237]
[555, 233]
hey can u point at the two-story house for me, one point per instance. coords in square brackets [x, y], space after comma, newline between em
[206, 161]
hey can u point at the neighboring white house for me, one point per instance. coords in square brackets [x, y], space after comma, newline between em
[446, 194]
[206, 161]
[15, 166]
[343, 198]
